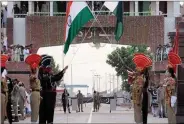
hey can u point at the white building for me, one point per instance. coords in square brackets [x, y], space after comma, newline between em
[169, 8]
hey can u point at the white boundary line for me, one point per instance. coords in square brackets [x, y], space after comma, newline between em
[90, 116]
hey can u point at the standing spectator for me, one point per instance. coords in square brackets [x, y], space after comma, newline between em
[80, 101]
[21, 53]
[9, 51]
[22, 99]
[16, 9]
[15, 98]
[5, 17]
[161, 102]
[27, 105]
[65, 101]
[25, 52]
[13, 53]
[5, 43]
[17, 57]
[24, 10]
[154, 103]
[2, 18]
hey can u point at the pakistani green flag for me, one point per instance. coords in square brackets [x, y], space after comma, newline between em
[117, 9]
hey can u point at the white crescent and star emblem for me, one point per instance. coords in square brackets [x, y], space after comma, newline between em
[69, 21]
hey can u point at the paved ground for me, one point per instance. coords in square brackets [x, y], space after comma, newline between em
[121, 115]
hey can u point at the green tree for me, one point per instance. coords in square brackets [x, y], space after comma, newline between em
[55, 67]
[121, 60]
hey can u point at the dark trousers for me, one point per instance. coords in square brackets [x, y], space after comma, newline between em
[66, 105]
[8, 110]
[47, 105]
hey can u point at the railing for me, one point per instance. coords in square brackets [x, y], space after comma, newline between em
[162, 52]
[147, 13]
[94, 12]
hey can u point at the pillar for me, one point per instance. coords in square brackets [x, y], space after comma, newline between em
[10, 9]
[136, 8]
[157, 7]
[51, 8]
[173, 8]
[131, 8]
[30, 7]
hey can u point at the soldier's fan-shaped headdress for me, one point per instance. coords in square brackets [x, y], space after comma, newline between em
[4, 59]
[173, 60]
[141, 61]
[33, 60]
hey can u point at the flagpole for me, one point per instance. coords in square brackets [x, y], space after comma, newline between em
[108, 38]
[63, 60]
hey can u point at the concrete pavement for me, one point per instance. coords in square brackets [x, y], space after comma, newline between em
[121, 115]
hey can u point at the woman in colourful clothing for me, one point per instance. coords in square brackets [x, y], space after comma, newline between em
[34, 60]
[170, 85]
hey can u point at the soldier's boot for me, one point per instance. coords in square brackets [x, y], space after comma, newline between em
[16, 119]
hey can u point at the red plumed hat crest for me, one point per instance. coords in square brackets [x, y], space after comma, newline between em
[4, 59]
[173, 60]
[141, 61]
[33, 60]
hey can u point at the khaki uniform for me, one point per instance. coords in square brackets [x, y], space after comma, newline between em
[95, 102]
[170, 91]
[137, 98]
[80, 101]
[34, 98]
[98, 101]
[4, 99]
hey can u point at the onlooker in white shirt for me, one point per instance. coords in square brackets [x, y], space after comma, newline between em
[25, 52]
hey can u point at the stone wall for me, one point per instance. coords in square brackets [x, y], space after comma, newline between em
[44, 31]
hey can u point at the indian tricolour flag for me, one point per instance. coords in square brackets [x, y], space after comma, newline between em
[117, 9]
[77, 15]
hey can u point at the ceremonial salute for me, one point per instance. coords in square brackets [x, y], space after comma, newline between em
[48, 92]
[170, 83]
[34, 60]
[139, 79]
[4, 88]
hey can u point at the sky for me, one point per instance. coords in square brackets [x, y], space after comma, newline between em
[84, 61]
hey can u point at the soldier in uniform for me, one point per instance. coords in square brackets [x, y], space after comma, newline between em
[95, 101]
[138, 89]
[80, 101]
[48, 92]
[170, 85]
[65, 101]
[98, 101]
[4, 88]
[33, 60]
[22, 99]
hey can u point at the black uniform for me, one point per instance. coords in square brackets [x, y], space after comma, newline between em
[48, 92]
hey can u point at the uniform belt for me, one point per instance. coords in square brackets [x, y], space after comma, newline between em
[46, 90]
[3, 92]
[36, 90]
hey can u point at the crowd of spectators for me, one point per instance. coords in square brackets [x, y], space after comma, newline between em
[17, 11]
[17, 52]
